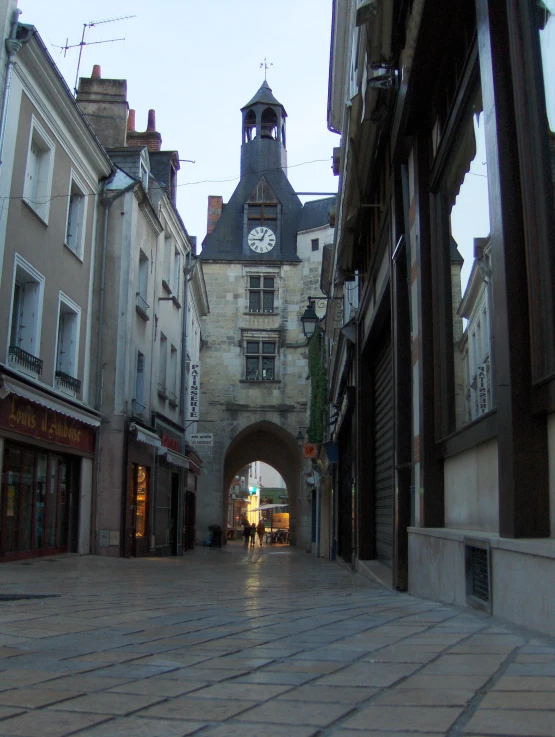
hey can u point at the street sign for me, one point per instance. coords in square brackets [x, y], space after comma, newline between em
[202, 438]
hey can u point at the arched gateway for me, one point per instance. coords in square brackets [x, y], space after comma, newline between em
[267, 442]
[262, 259]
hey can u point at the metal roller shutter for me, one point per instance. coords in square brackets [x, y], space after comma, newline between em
[383, 449]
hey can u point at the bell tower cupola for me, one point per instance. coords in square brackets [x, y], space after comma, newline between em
[263, 142]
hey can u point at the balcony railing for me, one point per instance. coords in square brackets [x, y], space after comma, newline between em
[68, 382]
[142, 306]
[27, 360]
[172, 398]
[162, 393]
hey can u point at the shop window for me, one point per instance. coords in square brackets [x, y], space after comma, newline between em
[261, 293]
[26, 317]
[260, 360]
[75, 225]
[69, 317]
[38, 171]
[141, 489]
[464, 240]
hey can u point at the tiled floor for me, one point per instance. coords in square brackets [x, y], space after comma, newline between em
[228, 643]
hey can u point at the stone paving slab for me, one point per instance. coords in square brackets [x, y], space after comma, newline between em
[207, 645]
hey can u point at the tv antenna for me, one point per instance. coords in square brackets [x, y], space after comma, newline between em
[83, 43]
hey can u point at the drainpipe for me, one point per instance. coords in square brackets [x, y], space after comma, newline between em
[12, 46]
[184, 339]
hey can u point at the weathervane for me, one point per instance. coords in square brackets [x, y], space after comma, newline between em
[266, 67]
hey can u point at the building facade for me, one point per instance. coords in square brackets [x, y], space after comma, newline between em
[446, 388]
[261, 261]
[50, 175]
[147, 472]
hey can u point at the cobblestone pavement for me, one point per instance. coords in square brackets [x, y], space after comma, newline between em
[230, 643]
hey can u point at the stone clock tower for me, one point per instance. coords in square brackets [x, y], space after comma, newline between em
[261, 259]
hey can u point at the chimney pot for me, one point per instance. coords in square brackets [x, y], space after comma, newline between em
[151, 127]
[131, 121]
[96, 73]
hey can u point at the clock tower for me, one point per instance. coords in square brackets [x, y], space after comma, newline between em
[260, 220]
[261, 260]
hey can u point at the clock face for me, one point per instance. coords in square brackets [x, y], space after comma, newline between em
[261, 239]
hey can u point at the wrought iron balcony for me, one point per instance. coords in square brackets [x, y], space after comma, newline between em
[27, 360]
[162, 392]
[68, 382]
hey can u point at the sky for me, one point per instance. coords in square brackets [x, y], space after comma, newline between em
[196, 63]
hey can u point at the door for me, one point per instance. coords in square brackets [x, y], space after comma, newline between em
[174, 513]
[140, 485]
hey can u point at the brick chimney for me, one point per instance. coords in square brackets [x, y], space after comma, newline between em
[150, 138]
[215, 208]
[104, 103]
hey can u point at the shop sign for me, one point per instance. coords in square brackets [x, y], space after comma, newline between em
[482, 389]
[27, 418]
[202, 438]
[194, 391]
[169, 442]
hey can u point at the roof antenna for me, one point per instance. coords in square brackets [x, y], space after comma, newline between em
[82, 43]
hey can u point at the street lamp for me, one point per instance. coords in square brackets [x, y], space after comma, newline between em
[309, 320]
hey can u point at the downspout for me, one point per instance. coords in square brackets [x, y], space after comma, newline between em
[12, 46]
[183, 379]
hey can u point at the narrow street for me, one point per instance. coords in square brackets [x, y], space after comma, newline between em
[229, 643]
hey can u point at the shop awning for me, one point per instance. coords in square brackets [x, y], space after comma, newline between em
[176, 459]
[38, 397]
[145, 436]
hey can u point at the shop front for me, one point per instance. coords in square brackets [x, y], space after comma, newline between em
[170, 503]
[46, 456]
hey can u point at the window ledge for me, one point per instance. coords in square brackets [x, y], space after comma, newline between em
[261, 314]
[15, 366]
[142, 313]
[78, 256]
[36, 213]
[260, 381]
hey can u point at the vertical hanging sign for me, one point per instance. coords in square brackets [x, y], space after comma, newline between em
[194, 391]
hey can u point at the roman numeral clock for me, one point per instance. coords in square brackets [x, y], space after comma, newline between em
[261, 239]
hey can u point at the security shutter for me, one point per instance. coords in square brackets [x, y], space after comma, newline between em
[384, 438]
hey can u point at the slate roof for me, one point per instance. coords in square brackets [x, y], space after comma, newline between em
[316, 213]
[224, 243]
[264, 96]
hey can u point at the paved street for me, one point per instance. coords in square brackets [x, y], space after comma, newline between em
[226, 643]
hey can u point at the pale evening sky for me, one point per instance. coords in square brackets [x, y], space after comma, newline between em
[197, 63]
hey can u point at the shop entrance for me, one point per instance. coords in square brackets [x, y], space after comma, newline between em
[140, 485]
[38, 503]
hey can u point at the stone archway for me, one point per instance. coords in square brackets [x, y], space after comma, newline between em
[267, 442]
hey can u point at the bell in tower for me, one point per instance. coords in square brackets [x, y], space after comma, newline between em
[263, 145]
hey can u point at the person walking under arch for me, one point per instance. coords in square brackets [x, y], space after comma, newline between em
[260, 529]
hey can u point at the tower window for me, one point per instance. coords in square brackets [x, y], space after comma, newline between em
[250, 126]
[261, 293]
[262, 214]
[269, 124]
[261, 360]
